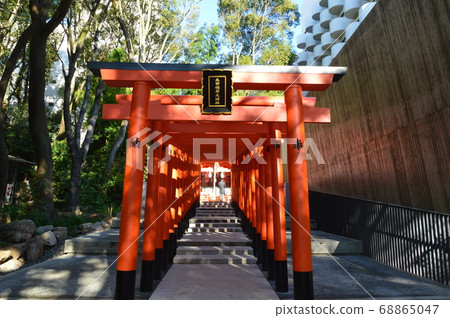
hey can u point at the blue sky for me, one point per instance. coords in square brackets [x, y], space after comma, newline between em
[208, 14]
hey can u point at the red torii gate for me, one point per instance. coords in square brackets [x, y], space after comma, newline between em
[258, 192]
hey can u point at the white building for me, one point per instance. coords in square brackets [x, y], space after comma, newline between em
[326, 27]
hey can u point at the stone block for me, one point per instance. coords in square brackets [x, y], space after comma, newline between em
[48, 238]
[85, 227]
[97, 227]
[35, 249]
[60, 233]
[43, 229]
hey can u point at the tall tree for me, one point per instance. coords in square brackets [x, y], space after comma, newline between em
[252, 25]
[205, 49]
[8, 65]
[231, 16]
[40, 14]
[153, 31]
[78, 29]
[278, 53]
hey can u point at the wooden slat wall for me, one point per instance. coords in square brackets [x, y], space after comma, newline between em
[389, 139]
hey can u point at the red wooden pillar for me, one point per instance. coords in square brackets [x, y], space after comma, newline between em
[161, 208]
[151, 215]
[269, 214]
[299, 202]
[132, 195]
[181, 197]
[175, 202]
[250, 200]
[168, 210]
[257, 211]
[279, 217]
[241, 187]
[262, 213]
[179, 193]
[185, 194]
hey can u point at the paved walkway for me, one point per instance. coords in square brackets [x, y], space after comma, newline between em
[92, 276]
[214, 281]
[214, 260]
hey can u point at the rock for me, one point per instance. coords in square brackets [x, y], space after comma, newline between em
[17, 237]
[17, 231]
[97, 227]
[108, 220]
[85, 227]
[48, 238]
[60, 233]
[105, 224]
[118, 215]
[16, 251]
[5, 255]
[75, 233]
[43, 229]
[4, 218]
[35, 249]
[11, 265]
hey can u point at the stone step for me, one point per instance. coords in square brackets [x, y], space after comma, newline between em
[116, 223]
[215, 219]
[214, 229]
[216, 212]
[214, 259]
[106, 242]
[211, 224]
[218, 250]
[214, 239]
[215, 209]
[328, 244]
[223, 207]
[206, 215]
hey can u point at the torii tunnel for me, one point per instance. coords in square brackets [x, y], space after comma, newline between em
[248, 140]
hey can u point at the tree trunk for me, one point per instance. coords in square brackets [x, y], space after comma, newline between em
[4, 82]
[115, 148]
[38, 123]
[37, 116]
[4, 161]
[73, 200]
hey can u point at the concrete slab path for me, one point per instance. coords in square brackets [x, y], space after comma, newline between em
[68, 276]
[214, 281]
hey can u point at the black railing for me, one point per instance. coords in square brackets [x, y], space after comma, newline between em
[412, 240]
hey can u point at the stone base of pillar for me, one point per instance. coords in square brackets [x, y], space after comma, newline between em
[158, 266]
[303, 286]
[281, 276]
[165, 255]
[264, 264]
[270, 264]
[125, 285]
[147, 272]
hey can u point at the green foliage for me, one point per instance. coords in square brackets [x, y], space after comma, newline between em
[251, 31]
[245, 60]
[156, 31]
[18, 136]
[278, 53]
[251, 26]
[71, 221]
[205, 48]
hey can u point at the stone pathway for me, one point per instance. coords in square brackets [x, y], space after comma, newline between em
[214, 260]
